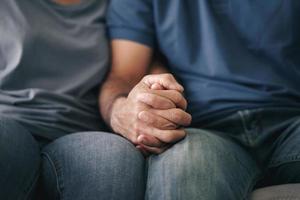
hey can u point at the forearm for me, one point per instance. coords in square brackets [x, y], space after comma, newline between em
[130, 63]
[112, 89]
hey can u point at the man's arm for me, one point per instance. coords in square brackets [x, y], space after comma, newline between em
[132, 108]
[130, 62]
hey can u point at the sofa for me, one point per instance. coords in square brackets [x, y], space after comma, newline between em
[279, 192]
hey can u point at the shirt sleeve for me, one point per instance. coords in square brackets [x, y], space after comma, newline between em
[131, 20]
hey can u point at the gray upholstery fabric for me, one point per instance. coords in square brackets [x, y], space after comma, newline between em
[280, 192]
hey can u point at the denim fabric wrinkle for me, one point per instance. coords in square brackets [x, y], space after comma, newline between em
[30, 189]
[59, 183]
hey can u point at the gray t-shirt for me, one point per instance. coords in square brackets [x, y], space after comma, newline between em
[52, 60]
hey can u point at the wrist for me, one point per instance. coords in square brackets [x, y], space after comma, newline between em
[115, 107]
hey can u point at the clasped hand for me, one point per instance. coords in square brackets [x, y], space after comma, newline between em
[153, 115]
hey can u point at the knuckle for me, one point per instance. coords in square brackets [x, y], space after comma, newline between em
[167, 138]
[177, 96]
[147, 77]
[169, 76]
[177, 115]
[169, 125]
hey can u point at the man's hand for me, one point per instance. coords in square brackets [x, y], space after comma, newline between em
[149, 117]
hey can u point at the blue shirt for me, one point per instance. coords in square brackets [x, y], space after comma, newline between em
[52, 60]
[229, 54]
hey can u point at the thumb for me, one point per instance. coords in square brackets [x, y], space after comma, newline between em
[167, 81]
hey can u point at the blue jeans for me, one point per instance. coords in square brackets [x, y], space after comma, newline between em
[19, 161]
[223, 159]
[228, 157]
[92, 166]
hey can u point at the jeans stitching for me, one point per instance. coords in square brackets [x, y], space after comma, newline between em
[32, 184]
[59, 183]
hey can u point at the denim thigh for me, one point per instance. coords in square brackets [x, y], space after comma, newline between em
[19, 161]
[92, 166]
[205, 165]
[284, 165]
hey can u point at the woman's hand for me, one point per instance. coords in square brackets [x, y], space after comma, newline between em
[152, 114]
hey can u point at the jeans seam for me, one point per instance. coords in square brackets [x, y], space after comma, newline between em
[54, 168]
[32, 184]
